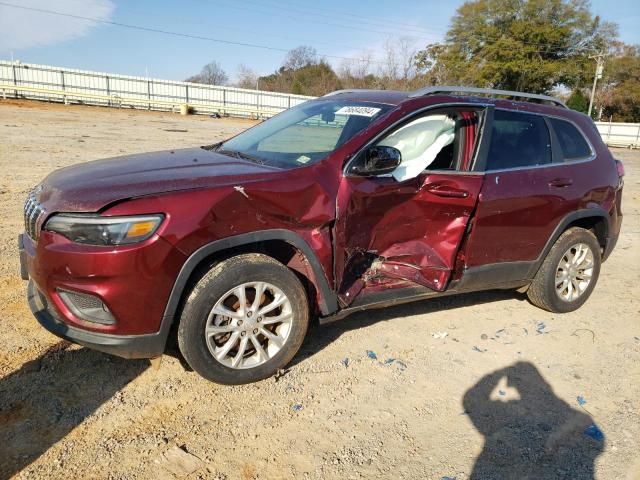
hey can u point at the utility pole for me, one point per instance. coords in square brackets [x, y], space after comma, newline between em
[599, 68]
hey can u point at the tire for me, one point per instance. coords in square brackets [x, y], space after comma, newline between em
[222, 288]
[543, 291]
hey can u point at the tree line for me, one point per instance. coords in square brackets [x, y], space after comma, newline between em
[537, 46]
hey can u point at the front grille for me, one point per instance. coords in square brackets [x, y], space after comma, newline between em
[32, 213]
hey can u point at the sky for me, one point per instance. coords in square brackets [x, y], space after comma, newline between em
[337, 29]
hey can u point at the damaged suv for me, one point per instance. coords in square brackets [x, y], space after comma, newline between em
[359, 199]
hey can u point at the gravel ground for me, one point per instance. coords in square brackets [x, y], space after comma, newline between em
[482, 385]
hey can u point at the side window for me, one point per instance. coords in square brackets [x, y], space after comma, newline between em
[572, 143]
[518, 140]
[436, 141]
[421, 142]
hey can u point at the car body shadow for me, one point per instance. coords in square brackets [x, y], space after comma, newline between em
[319, 336]
[46, 398]
[529, 432]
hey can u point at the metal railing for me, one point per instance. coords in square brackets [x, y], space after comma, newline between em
[620, 134]
[45, 82]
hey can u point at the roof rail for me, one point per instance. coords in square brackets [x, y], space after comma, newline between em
[350, 90]
[487, 91]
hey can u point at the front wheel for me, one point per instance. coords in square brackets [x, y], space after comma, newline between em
[245, 319]
[569, 273]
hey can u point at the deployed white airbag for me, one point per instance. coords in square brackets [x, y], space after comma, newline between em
[419, 142]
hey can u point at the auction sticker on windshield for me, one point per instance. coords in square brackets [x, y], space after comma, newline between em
[356, 110]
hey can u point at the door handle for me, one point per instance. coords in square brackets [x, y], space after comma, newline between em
[561, 182]
[446, 191]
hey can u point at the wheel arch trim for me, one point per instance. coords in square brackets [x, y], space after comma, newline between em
[327, 300]
[591, 212]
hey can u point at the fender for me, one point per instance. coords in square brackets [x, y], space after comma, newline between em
[328, 302]
[562, 226]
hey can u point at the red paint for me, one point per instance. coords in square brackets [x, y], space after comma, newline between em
[366, 233]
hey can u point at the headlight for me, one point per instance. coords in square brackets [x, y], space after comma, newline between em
[104, 230]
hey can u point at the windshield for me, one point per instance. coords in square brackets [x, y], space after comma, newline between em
[303, 134]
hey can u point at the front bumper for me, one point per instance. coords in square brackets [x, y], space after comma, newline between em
[136, 334]
[126, 346]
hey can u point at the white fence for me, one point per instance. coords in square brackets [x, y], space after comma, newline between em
[45, 82]
[620, 134]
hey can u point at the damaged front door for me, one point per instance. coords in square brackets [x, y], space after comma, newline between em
[405, 227]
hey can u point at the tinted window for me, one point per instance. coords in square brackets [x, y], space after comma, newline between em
[572, 142]
[518, 140]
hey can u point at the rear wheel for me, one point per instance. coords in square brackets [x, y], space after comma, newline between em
[569, 273]
[244, 320]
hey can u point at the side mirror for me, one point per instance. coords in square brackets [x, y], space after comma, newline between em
[378, 160]
[328, 117]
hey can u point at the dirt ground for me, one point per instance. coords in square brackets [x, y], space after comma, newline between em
[507, 387]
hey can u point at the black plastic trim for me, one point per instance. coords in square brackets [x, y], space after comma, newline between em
[392, 297]
[24, 273]
[486, 130]
[496, 274]
[126, 346]
[328, 301]
[598, 212]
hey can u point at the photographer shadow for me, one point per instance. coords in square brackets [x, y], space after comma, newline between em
[48, 397]
[529, 432]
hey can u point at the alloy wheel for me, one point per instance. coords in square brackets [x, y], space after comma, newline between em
[249, 325]
[574, 272]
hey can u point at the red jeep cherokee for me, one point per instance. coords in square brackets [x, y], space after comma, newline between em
[356, 200]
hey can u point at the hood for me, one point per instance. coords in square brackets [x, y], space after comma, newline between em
[90, 186]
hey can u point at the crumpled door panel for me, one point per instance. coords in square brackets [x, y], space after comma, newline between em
[410, 230]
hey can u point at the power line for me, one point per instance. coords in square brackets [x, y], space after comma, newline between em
[543, 47]
[317, 22]
[337, 15]
[368, 19]
[230, 42]
[226, 27]
[166, 32]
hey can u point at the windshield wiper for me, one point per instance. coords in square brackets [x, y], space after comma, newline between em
[213, 147]
[242, 155]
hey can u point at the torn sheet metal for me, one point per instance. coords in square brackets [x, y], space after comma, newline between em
[407, 231]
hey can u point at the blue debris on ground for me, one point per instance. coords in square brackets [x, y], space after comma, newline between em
[594, 432]
[372, 355]
[580, 399]
[296, 407]
[448, 478]
[502, 393]
[345, 362]
[540, 328]
[481, 350]
[401, 365]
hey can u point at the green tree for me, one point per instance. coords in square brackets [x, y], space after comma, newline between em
[620, 93]
[316, 80]
[302, 73]
[578, 101]
[526, 45]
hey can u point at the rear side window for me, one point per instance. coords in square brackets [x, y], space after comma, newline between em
[518, 140]
[571, 141]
